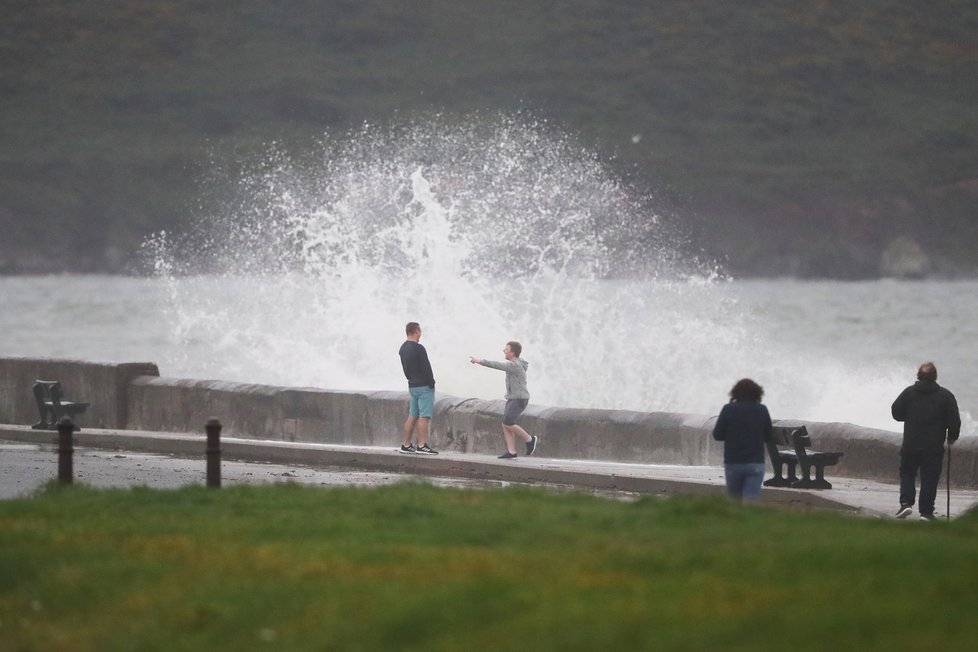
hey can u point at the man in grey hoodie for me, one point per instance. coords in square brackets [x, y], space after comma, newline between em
[517, 398]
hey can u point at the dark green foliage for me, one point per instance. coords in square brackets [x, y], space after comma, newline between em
[832, 126]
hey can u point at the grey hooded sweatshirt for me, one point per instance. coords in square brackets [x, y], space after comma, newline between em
[515, 376]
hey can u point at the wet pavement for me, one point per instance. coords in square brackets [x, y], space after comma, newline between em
[24, 468]
[28, 459]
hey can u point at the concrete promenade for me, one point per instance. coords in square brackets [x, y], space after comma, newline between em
[134, 397]
[119, 458]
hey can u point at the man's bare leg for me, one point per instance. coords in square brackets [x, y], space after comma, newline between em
[522, 434]
[423, 424]
[409, 430]
[508, 436]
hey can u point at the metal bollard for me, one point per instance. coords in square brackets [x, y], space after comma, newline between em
[213, 428]
[66, 451]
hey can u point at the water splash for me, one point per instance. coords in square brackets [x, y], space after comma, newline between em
[483, 232]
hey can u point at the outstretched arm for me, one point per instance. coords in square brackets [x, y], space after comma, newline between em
[492, 364]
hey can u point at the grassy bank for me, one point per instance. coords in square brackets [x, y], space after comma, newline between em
[416, 567]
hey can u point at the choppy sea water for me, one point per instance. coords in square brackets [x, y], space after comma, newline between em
[487, 231]
[823, 351]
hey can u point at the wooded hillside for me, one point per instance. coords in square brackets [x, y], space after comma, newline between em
[814, 138]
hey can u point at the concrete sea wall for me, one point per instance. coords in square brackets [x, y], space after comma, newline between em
[134, 396]
[104, 385]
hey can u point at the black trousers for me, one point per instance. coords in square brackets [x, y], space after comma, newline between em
[929, 462]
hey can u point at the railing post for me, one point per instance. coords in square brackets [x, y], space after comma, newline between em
[66, 451]
[213, 428]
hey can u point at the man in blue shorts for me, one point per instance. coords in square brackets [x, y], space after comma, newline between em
[517, 398]
[421, 387]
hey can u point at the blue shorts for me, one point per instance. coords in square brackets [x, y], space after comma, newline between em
[422, 402]
[514, 408]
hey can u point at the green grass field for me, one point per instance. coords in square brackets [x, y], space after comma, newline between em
[414, 567]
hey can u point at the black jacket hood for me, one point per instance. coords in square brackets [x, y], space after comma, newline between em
[926, 386]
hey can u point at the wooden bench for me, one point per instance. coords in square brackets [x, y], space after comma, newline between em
[808, 458]
[781, 450]
[51, 406]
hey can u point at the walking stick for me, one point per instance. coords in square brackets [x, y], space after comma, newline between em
[948, 515]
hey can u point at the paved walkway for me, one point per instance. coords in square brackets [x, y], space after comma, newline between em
[115, 458]
[26, 467]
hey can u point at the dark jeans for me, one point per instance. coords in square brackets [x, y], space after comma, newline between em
[744, 480]
[929, 462]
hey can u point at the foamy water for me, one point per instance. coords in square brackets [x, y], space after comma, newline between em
[823, 351]
[483, 235]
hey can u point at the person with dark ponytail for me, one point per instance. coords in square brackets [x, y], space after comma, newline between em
[743, 426]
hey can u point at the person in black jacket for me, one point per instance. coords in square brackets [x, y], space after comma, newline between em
[421, 388]
[743, 426]
[930, 415]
